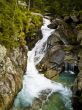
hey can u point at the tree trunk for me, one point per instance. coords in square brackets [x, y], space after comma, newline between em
[29, 5]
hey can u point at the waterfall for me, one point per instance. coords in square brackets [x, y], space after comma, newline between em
[66, 67]
[33, 82]
[69, 68]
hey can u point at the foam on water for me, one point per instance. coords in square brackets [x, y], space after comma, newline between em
[33, 82]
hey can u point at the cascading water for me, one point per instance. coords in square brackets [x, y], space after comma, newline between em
[34, 82]
[69, 68]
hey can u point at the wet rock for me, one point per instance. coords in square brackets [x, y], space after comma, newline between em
[52, 26]
[12, 68]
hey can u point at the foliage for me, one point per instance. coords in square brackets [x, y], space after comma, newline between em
[14, 20]
[59, 7]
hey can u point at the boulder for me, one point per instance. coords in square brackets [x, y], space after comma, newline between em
[58, 57]
[51, 74]
[66, 33]
[53, 25]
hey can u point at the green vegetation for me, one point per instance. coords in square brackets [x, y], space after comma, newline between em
[64, 7]
[15, 23]
[56, 7]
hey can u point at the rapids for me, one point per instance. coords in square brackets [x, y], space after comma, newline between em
[33, 82]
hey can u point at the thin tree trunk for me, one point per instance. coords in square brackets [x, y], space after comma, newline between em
[29, 5]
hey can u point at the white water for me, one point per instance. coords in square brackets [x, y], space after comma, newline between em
[33, 82]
